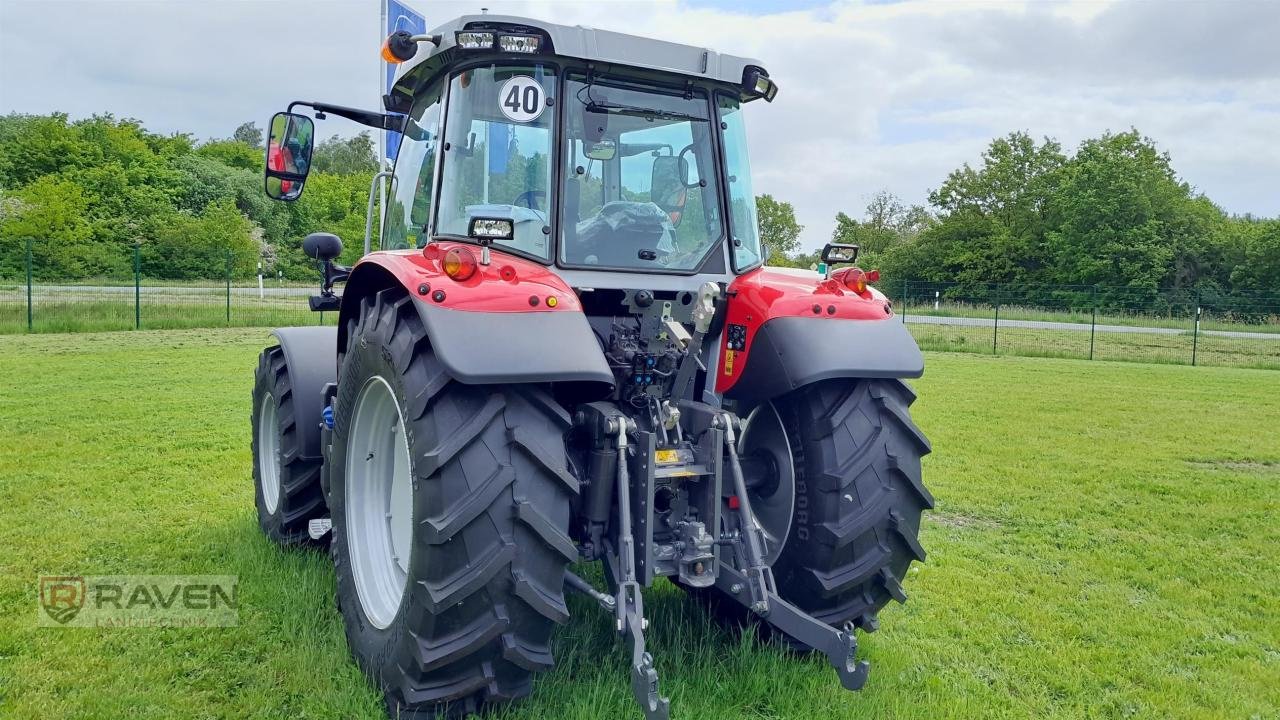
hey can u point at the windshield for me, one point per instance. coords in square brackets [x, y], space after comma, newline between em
[497, 150]
[640, 186]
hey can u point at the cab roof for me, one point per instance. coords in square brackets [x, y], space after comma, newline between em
[603, 46]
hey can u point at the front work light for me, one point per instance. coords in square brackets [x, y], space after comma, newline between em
[519, 43]
[491, 229]
[838, 253]
[473, 40]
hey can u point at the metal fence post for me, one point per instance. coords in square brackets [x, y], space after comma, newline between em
[228, 286]
[995, 328]
[904, 301]
[137, 286]
[1195, 331]
[1093, 319]
[29, 314]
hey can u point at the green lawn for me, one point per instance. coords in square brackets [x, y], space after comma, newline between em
[1104, 545]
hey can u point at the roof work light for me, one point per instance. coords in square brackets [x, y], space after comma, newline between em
[473, 40]
[519, 43]
[515, 39]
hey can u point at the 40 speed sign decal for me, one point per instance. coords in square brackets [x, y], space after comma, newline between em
[521, 99]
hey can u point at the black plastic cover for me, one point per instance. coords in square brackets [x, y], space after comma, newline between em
[790, 352]
[311, 356]
[483, 348]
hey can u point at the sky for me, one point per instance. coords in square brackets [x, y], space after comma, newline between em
[873, 95]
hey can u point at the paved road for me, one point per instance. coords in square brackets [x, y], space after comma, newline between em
[1081, 327]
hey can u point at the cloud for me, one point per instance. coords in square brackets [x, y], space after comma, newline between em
[873, 95]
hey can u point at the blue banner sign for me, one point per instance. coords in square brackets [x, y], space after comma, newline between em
[399, 17]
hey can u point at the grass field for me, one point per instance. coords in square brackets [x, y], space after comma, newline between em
[1104, 545]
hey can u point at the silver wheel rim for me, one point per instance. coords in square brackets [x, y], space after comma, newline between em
[269, 453]
[773, 506]
[379, 510]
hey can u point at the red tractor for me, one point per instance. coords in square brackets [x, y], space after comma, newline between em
[568, 350]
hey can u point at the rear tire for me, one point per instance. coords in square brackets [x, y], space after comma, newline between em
[859, 498]
[286, 483]
[490, 497]
[858, 501]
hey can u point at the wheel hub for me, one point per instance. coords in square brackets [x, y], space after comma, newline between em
[379, 502]
[770, 473]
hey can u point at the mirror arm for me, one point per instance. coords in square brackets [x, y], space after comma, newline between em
[369, 118]
[334, 273]
[327, 300]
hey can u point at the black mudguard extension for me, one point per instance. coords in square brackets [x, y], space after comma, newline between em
[790, 352]
[483, 348]
[311, 354]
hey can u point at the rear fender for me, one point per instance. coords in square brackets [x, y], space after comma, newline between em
[310, 355]
[513, 321]
[788, 328]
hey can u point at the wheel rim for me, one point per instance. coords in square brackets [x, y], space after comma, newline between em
[378, 502]
[764, 439]
[269, 452]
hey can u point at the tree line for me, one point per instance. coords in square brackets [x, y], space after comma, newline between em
[1113, 214]
[87, 192]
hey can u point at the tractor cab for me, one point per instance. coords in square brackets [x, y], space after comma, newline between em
[627, 158]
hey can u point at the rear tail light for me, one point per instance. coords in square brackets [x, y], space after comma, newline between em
[459, 264]
[855, 280]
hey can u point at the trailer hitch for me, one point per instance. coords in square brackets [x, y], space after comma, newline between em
[840, 646]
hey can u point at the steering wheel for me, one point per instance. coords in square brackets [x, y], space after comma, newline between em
[528, 197]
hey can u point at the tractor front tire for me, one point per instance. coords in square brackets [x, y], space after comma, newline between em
[859, 498]
[488, 546]
[286, 482]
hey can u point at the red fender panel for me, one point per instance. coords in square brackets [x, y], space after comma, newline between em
[512, 321]
[828, 308]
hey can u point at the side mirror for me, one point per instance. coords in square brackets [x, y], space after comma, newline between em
[288, 155]
[669, 185]
[322, 246]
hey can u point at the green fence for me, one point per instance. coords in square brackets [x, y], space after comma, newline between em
[1187, 326]
[35, 302]
[1183, 326]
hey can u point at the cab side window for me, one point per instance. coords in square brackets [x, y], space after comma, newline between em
[409, 202]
